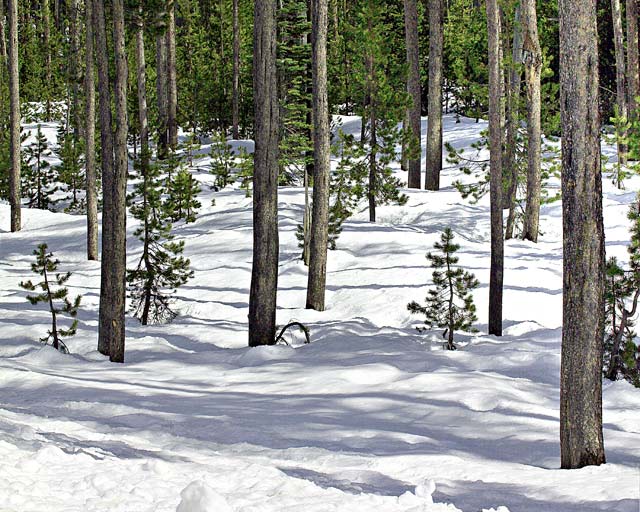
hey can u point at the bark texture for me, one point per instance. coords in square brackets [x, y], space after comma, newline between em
[413, 86]
[621, 80]
[633, 69]
[172, 82]
[236, 72]
[532, 69]
[90, 138]
[581, 441]
[264, 275]
[14, 118]
[434, 125]
[495, 141]
[162, 95]
[321, 162]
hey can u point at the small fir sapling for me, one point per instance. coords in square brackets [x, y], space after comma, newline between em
[161, 268]
[46, 266]
[245, 171]
[182, 200]
[222, 162]
[39, 178]
[450, 302]
[71, 169]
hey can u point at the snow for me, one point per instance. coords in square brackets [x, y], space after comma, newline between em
[372, 415]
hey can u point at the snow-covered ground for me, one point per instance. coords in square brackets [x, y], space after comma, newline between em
[371, 416]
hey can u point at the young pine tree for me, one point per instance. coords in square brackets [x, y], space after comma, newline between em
[38, 179]
[71, 170]
[46, 266]
[161, 268]
[222, 162]
[450, 302]
[182, 201]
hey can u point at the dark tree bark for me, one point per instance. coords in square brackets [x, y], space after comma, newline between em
[14, 115]
[162, 95]
[513, 119]
[236, 72]
[434, 121]
[413, 86]
[121, 167]
[533, 67]
[321, 162]
[581, 440]
[495, 140]
[74, 67]
[106, 152]
[90, 136]
[621, 81]
[633, 68]
[264, 275]
[172, 83]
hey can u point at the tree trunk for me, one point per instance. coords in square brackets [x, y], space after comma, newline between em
[495, 140]
[434, 121]
[74, 67]
[264, 275]
[46, 22]
[513, 119]
[106, 151]
[14, 115]
[172, 83]
[236, 71]
[321, 166]
[373, 140]
[533, 67]
[633, 68]
[581, 441]
[413, 86]
[162, 95]
[621, 85]
[90, 138]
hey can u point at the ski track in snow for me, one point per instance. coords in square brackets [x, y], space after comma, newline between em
[367, 418]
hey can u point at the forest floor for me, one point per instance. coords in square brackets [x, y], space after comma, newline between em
[372, 415]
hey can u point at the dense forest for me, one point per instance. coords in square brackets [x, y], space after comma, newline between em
[171, 169]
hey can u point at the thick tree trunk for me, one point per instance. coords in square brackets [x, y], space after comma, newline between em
[321, 162]
[434, 121]
[581, 440]
[162, 95]
[236, 72]
[621, 83]
[90, 138]
[264, 275]
[495, 140]
[121, 167]
[533, 67]
[106, 152]
[513, 120]
[172, 83]
[413, 86]
[633, 69]
[14, 115]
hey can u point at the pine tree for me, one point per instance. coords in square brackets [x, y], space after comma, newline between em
[38, 178]
[222, 162]
[71, 169]
[450, 302]
[161, 268]
[182, 201]
[245, 171]
[46, 266]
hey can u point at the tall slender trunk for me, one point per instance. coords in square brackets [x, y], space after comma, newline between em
[321, 165]
[581, 440]
[14, 115]
[621, 82]
[532, 69]
[495, 141]
[373, 138]
[413, 87]
[121, 167]
[172, 83]
[46, 22]
[106, 152]
[434, 121]
[236, 71]
[633, 69]
[513, 120]
[74, 68]
[90, 138]
[264, 275]
[162, 95]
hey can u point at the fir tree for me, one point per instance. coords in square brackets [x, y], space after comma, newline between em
[182, 201]
[46, 266]
[450, 302]
[222, 162]
[245, 171]
[38, 179]
[161, 268]
[71, 169]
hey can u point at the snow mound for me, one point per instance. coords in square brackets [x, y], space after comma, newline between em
[199, 497]
[259, 355]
